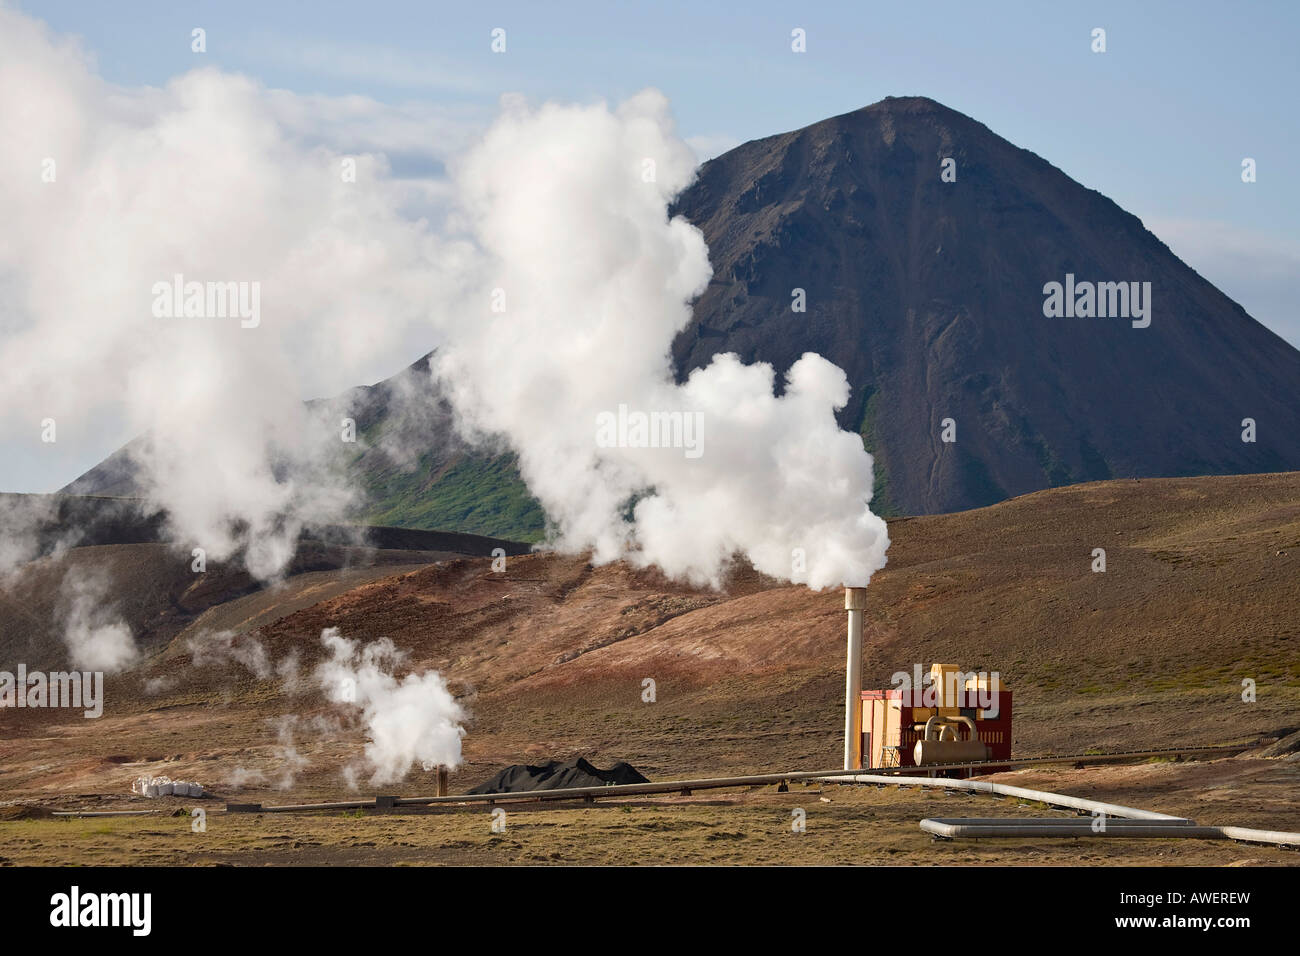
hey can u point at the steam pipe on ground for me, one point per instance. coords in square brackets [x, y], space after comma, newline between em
[1005, 790]
[708, 783]
[1132, 822]
[1012, 828]
[823, 776]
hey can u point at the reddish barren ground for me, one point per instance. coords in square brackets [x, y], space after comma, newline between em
[1201, 591]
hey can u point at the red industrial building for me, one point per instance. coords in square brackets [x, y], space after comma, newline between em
[940, 723]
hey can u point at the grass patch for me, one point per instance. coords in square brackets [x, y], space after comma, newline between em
[881, 501]
[475, 496]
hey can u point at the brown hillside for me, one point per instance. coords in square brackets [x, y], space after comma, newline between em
[1201, 591]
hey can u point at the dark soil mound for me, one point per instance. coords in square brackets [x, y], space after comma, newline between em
[1287, 745]
[23, 811]
[555, 775]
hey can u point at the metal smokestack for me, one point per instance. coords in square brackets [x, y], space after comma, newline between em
[855, 602]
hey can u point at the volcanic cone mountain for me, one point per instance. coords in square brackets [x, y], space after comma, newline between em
[930, 295]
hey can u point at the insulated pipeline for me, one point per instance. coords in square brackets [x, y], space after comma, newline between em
[1013, 828]
[1005, 790]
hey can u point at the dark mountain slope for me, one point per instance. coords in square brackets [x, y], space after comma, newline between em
[930, 295]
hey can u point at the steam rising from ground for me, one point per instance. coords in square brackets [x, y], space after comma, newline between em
[20, 517]
[414, 720]
[97, 639]
[209, 649]
[569, 206]
[109, 191]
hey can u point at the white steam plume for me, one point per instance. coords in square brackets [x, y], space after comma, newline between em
[209, 649]
[109, 191]
[569, 204]
[21, 517]
[288, 761]
[408, 721]
[215, 178]
[97, 639]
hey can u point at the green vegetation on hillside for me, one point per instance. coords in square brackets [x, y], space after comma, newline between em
[474, 495]
[880, 499]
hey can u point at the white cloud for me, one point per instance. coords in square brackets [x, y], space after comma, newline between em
[360, 123]
[383, 65]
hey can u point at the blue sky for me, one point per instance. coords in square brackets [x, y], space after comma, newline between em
[1160, 122]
